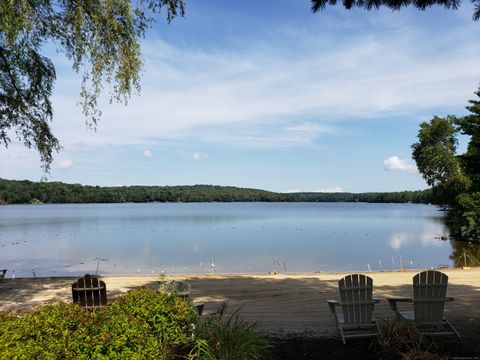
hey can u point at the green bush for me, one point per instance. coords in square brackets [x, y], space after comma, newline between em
[55, 331]
[229, 339]
[139, 325]
[170, 320]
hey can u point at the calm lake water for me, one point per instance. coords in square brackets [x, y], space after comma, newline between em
[54, 240]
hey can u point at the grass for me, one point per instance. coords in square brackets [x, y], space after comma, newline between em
[403, 338]
[230, 338]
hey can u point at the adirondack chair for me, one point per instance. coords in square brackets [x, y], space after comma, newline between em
[429, 298]
[89, 292]
[356, 302]
[2, 274]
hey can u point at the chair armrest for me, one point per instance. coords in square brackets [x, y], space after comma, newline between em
[399, 299]
[375, 300]
[449, 299]
[332, 304]
[392, 301]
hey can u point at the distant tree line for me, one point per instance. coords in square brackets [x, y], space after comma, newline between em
[28, 192]
[419, 197]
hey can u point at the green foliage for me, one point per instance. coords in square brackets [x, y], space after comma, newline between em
[139, 325]
[165, 285]
[229, 339]
[170, 318]
[25, 192]
[466, 216]
[54, 331]
[470, 126]
[99, 37]
[435, 151]
[318, 5]
[455, 178]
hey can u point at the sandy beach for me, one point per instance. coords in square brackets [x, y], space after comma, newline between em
[281, 304]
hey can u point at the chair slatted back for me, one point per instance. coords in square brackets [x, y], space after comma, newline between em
[356, 299]
[89, 292]
[429, 292]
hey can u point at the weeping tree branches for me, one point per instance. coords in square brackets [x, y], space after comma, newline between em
[99, 37]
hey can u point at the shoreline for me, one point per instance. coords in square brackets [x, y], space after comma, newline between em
[279, 274]
[280, 304]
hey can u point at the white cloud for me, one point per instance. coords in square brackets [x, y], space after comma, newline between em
[147, 153]
[258, 93]
[291, 191]
[199, 156]
[266, 89]
[309, 127]
[331, 190]
[394, 163]
[65, 164]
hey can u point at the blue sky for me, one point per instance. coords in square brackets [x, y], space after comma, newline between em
[266, 94]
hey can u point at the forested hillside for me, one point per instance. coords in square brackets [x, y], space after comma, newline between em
[26, 192]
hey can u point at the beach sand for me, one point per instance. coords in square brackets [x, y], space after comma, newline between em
[280, 304]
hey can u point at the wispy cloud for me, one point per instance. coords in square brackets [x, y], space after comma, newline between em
[336, 189]
[147, 153]
[199, 156]
[394, 163]
[200, 92]
[65, 164]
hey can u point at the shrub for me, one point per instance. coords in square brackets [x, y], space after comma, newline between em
[229, 339]
[139, 325]
[53, 331]
[170, 319]
[404, 338]
[399, 335]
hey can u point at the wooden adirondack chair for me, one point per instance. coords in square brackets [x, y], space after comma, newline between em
[89, 292]
[429, 298]
[355, 320]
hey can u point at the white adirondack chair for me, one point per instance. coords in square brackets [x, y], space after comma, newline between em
[355, 319]
[429, 298]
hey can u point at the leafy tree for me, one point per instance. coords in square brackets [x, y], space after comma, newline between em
[455, 178]
[318, 5]
[467, 216]
[470, 126]
[100, 38]
[435, 155]
[435, 151]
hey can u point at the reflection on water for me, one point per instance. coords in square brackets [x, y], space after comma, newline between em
[50, 240]
[465, 254]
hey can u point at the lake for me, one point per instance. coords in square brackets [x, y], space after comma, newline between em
[197, 238]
